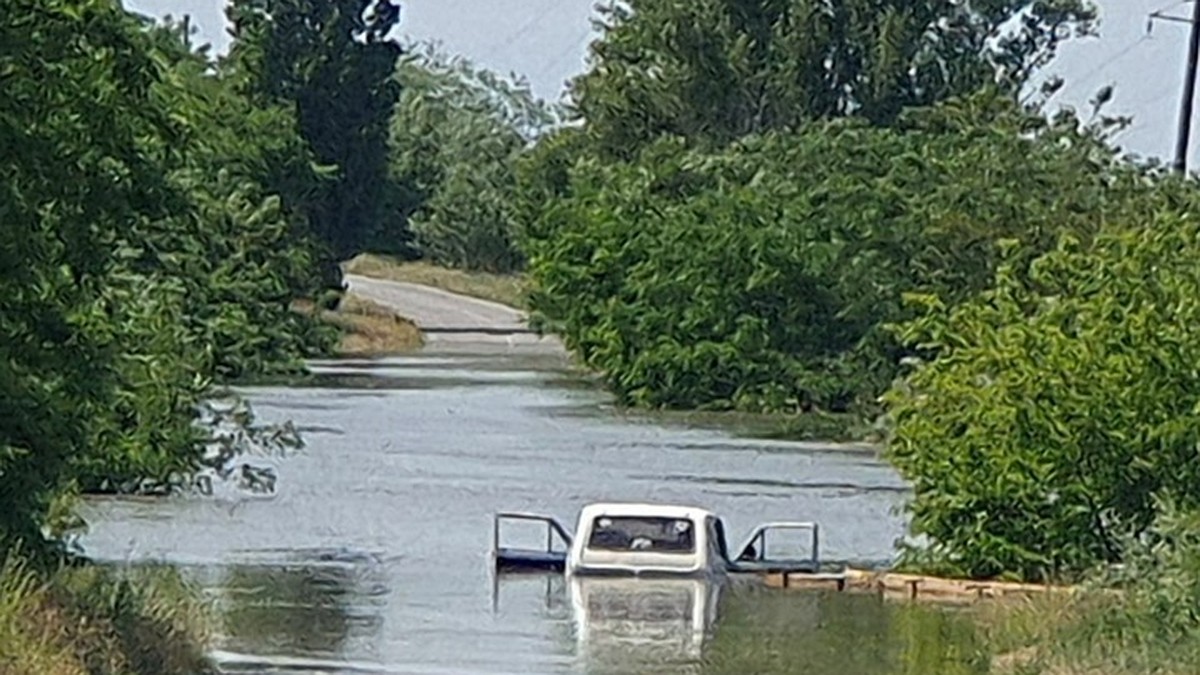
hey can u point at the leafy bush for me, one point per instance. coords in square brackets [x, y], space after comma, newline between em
[761, 277]
[201, 293]
[241, 249]
[1160, 582]
[73, 176]
[1060, 402]
[144, 254]
[685, 296]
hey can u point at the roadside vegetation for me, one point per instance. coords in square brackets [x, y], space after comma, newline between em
[1150, 626]
[85, 620]
[370, 329]
[903, 237]
[162, 214]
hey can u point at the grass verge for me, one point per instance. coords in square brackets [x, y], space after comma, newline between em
[506, 289]
[1073, 635]
[1089, 634]
[94, 621]
[368, 328]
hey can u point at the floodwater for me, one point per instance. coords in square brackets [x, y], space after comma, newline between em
[373, 554]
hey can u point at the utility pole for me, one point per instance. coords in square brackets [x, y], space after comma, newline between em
[187, 31]
[1189, 93]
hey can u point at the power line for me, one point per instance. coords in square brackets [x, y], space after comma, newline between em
[551, 64]
[1188, 104]
[1112, 59]
[526, 27]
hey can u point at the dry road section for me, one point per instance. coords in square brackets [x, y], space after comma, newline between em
[449, 318]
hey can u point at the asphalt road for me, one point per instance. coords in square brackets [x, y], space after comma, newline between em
[451, 319]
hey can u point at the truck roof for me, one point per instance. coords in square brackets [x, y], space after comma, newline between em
[636, 509]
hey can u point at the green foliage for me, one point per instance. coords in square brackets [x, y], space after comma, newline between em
[73, 176]
[543, 176]
[254, 149]
[456, 135]
[1160, 580]
[1061, 401]
[333, 64]
[761, 277]
[145, 435]
[755, 189]
[202, 294]
[144, 255]
[717, 70]
[1137, 618]
[673, 286]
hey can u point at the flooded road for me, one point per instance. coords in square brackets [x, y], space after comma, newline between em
[373, 555]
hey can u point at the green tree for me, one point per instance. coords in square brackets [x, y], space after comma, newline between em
[1060, 402]
[762, 277]
[243, 255]
[201, 293]
[334, 62]
[716, 70]
[77, 98]
[457, 134]
[143, 256]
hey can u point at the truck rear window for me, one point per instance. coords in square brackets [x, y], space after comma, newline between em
[635, 533]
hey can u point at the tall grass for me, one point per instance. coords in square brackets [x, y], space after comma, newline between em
[1143, 617]
[368, 328]
[89, 620]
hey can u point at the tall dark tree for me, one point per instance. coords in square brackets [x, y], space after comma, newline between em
[334, 61]
[720, 69]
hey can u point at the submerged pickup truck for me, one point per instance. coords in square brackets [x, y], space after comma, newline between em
[630, 539]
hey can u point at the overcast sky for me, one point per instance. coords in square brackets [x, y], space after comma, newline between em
[546, 41]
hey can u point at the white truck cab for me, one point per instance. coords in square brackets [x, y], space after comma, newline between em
[647, 540]
[645, 580]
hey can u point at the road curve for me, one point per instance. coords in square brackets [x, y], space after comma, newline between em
[433, 309]
[450, 320]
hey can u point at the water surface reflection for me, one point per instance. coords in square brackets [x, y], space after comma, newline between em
[769, 631]
[374, 554]
[694, 627]
[621, 625]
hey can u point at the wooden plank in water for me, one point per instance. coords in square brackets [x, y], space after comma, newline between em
[911, 586]
[807, 581]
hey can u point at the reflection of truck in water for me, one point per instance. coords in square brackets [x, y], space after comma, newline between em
[629, 620]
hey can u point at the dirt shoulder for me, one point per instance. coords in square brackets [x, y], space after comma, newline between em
[506, 289]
